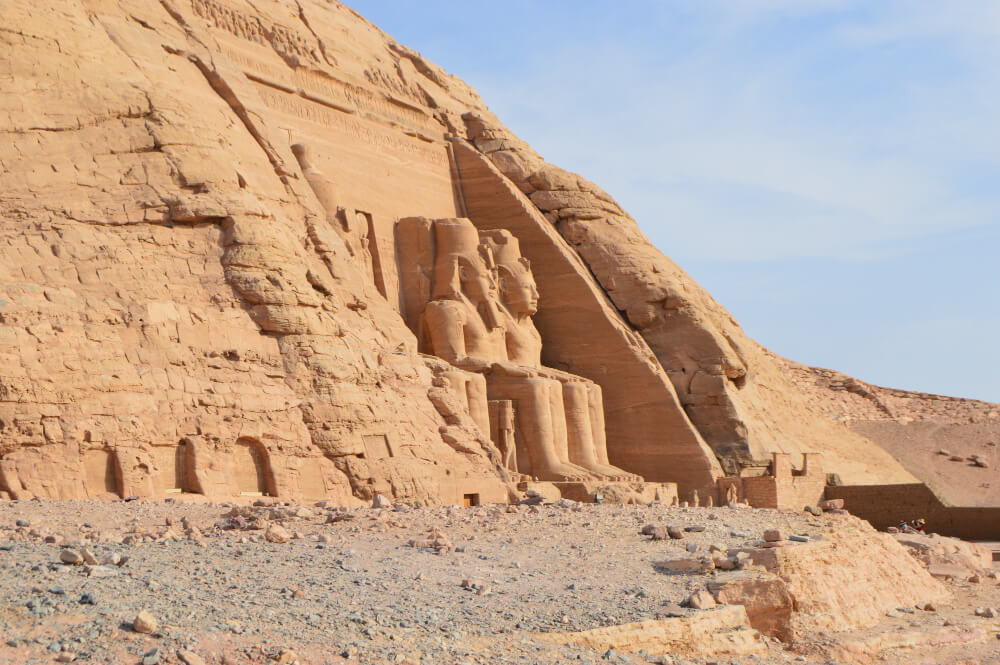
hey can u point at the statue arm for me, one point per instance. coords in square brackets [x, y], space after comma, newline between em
[559, 375]
[512, 369]
[445, 329]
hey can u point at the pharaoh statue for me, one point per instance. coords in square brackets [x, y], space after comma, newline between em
[582, 399]
[464, 323]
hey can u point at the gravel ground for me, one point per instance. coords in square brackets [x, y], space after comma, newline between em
[348, 586]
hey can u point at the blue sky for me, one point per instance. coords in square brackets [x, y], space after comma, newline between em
[829, 170]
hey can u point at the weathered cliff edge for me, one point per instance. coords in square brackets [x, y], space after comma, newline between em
[189, 305]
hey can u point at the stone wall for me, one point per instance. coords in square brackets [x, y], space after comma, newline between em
[783, 487]
[890, 505]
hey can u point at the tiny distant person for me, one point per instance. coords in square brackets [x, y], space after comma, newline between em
[904, 527]
[920, 525]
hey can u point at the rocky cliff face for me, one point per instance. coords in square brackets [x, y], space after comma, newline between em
[201, 290]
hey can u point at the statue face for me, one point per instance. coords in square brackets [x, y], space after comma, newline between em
[477, 282]
[520, 293]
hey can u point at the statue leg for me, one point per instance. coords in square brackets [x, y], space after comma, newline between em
[595, 403]
[541, 431]
[471, 388]
[580, 428]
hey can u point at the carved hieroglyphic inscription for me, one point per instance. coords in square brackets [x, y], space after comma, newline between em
[292, 46]
[321, 114]
[285, 41]
[333, 92]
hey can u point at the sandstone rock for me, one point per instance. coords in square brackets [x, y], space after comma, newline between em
[381, 502]
[261, 285]
[693, 565]
[190, 658]
[724, 563]
[832, 504]
[772, 535]
[71, 557]
[659, 533]
[701, 599]
[144, 622]
[766, 599]
[675, 532]
[277, 534]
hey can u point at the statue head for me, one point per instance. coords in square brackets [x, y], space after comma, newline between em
[462, 266]
[518, 290]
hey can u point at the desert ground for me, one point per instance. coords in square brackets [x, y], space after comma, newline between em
[487, 584]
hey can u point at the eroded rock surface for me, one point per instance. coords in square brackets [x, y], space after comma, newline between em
[202, 289]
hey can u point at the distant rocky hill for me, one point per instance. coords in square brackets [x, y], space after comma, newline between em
[206, 286]
[934, 436]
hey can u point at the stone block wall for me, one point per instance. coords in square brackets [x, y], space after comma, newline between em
[785, 488]
[889, 505]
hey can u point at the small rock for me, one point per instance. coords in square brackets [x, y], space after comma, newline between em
[659, 533]
[724, 563]
[702, 565]
[277, 534]
[702, 599]
[832, 504]
[23, 523]
[111, 559]
[144, 622]
[813, 510]
[88, 599]
[66, 657]
[675, 532]
[286, 657]
[88, 557]
[798, 539]
[151, 657]
[380, 501]
[774, 535]
[71, 557]
[697, 528]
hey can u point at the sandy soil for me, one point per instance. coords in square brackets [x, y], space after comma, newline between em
[348, 587]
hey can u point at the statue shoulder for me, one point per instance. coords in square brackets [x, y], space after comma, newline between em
[445, 309]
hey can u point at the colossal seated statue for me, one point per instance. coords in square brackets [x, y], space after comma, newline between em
[582, 398]
[558, 416]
